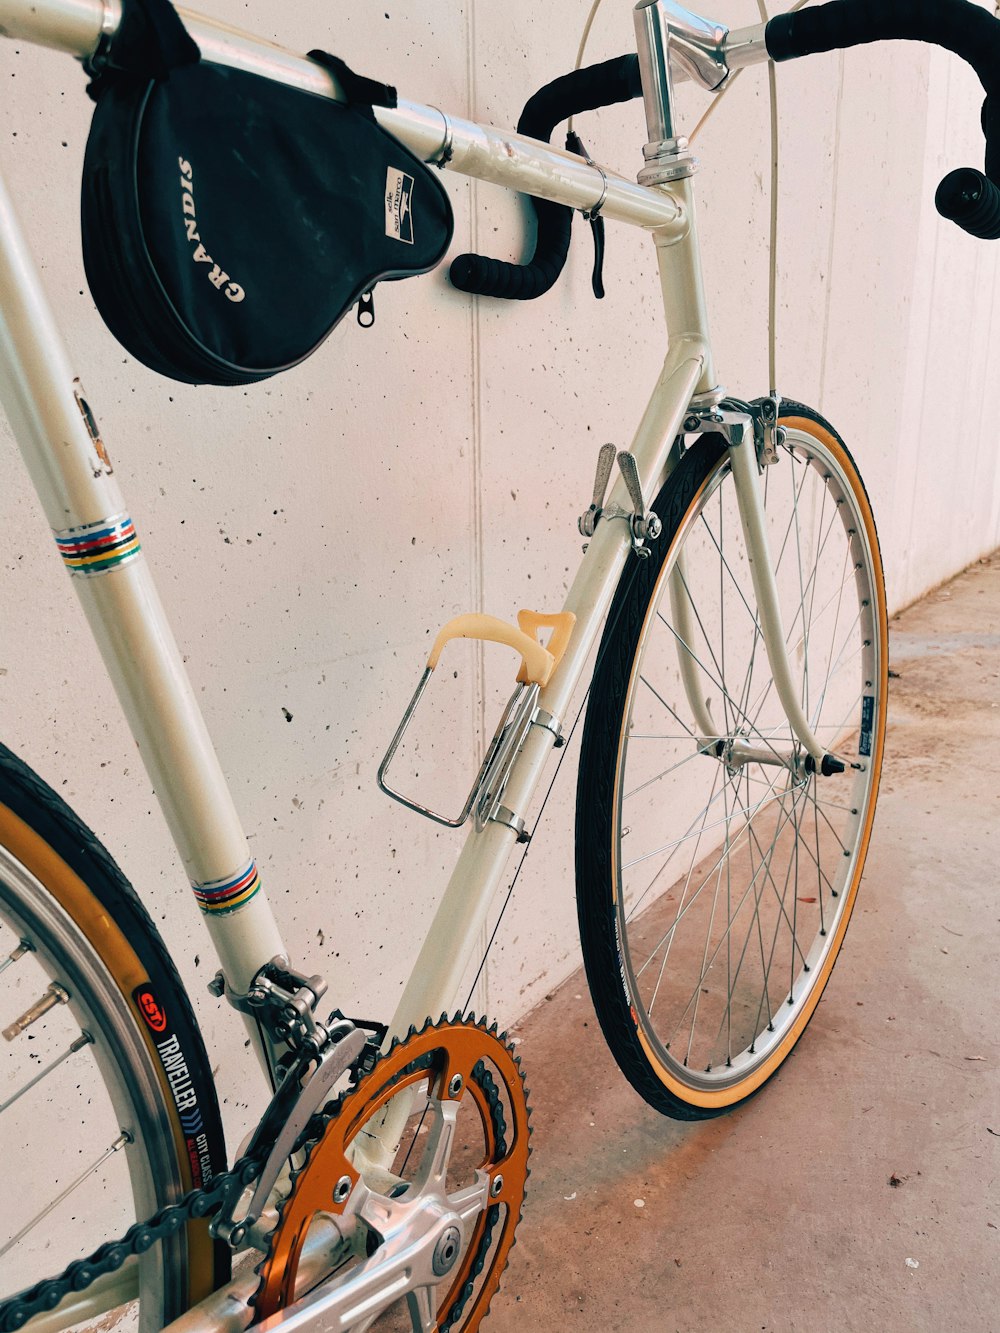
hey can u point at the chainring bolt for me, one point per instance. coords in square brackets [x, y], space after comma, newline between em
[342, 1189]
[455, 1085]
[496, 1186]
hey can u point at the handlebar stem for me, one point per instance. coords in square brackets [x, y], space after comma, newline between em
[673, 41]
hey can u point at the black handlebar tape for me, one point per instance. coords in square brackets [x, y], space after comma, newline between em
[966, 196]
[586, 89]
[971, 199]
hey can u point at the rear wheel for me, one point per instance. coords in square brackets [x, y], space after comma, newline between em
[716, 874]
[103, 1136]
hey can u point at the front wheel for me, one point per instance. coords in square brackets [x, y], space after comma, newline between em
[716, 874]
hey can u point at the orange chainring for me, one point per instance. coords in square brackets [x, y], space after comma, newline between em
[457, 1060]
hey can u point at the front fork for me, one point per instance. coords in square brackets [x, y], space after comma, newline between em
[741, 434]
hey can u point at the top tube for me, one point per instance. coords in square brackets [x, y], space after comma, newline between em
[79, 27]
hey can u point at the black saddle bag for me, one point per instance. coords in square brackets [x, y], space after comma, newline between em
[230, 222]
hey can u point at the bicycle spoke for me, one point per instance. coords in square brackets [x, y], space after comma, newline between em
[646, 856]
[832, 657]
[754, 619]
[819, 886]
[722, 598]
[724, 565]
[826, 820]
[704, 957]
[803, 845]
[755, 918]
[16, 954]
[729, 955]
[781, 897]
[710, 961]
[720, 687]
[730, 845]
[768, 877]
[704, 635]
[665, 736]
[680, 722]
[793, 866]
[698, 754]
[687, 883]
[119, 1143]
[687, 834]
[84, 1039]
[838, 665]
[819, 872]
[802, 597]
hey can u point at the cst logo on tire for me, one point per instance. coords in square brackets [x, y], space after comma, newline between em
[149, 1007]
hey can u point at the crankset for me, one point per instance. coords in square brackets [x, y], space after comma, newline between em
[427, 1236]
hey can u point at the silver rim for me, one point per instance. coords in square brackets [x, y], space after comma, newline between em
[735, 878]
[76, 1187]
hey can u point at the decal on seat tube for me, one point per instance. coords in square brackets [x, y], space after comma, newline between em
[97, 548]
[225, 895]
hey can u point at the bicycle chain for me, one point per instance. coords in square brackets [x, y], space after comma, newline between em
[109, 1257]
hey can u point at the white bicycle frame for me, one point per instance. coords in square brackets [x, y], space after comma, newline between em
[69, 466]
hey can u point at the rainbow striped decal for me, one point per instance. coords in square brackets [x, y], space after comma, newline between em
[225, 895]
[98, 547]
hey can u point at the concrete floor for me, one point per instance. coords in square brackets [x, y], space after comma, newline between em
[860, 1190]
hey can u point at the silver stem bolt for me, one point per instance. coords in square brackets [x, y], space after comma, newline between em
[342, 1189]
[455, 1085]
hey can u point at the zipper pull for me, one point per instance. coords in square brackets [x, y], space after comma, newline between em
[366, 309]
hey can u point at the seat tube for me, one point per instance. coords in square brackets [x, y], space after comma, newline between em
[72, 473]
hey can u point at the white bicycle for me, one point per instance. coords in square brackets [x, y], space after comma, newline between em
[732, 588]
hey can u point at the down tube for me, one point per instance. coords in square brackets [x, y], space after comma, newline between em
[440, 966]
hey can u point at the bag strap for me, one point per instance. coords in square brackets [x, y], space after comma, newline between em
[362, 93]
[151, 41]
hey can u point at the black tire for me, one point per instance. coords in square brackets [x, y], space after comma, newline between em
[705, 975]
[62, 894]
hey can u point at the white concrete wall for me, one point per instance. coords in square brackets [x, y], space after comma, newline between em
[310, 533]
